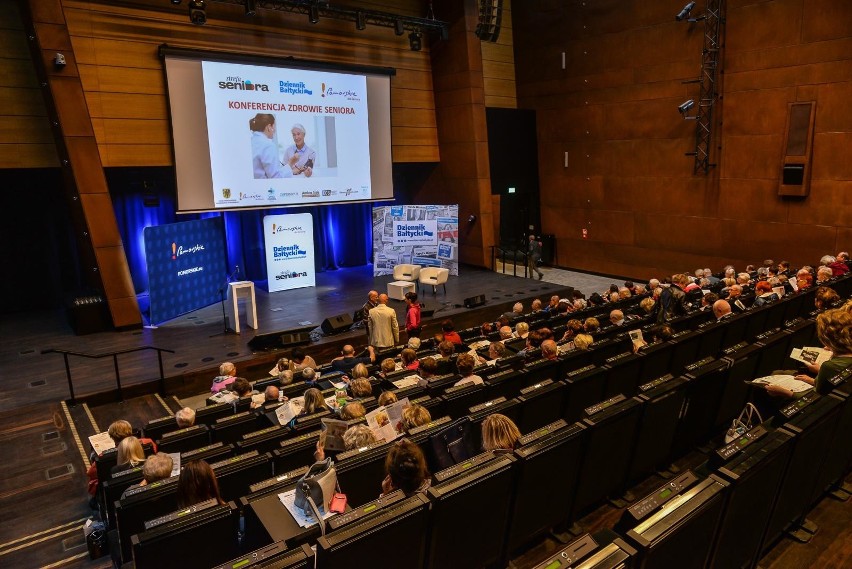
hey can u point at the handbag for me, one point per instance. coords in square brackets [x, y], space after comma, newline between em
[454, 443]
[744, 423]
[316, 488]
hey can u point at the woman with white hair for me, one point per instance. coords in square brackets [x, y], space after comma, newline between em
[299, 156]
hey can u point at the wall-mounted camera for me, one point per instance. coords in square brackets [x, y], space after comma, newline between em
[59, 60]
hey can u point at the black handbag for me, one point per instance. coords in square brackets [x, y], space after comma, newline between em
[453, 444]
[316, 488]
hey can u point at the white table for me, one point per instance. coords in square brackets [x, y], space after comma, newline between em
[397, 289]
[244, 290]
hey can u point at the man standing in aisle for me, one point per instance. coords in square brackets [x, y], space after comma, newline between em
[372, 302]
[384, 329]
[534, 256]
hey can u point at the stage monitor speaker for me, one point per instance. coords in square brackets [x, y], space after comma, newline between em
[336, 324]
[280, 339]
[474, 301]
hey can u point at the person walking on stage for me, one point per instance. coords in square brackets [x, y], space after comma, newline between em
[534, 256]
[412, 315]
[384, 329]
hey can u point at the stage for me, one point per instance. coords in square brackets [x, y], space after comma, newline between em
[200, 344]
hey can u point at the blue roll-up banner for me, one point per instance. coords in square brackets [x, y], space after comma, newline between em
[289, 251]
[186, 266]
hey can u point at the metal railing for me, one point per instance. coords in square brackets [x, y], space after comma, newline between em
[501, 253]
[114, 356]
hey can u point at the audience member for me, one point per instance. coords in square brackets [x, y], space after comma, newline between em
[722, 310]
[764, 293]
[825, 297]
[522, 330]
[185, 418]
[130, 455]
[428, 367]
[360, 388]
[415, 416]
[549, 350]
[314, 402]
[465, 364]
[309, 375]
[352, 410]
[405, 467]
[386, 398]
[158, 467]
[347, 359]
[227, 376]
[499, 432]
[450, 334]
[506, 333]
[583, 341]
[409, 359]
[242, 388]
[197, 483]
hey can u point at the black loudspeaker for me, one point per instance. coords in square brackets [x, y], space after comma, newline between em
[280, 339]
[474, 301]
[548, 248]
[336, 324]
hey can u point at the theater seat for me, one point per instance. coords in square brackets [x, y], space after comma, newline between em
[406, 272]
[434, 276]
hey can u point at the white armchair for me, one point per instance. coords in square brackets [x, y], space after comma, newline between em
[405, 272]
[434, 276]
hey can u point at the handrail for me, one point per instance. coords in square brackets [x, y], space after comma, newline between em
[114, 355]
[502, 254]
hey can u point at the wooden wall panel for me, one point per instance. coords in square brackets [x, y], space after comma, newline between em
[614, 111]
[116, 50]
[25, 137]
[498, 65]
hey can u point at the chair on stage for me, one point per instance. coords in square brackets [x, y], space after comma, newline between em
[434, 276]
[406, 272]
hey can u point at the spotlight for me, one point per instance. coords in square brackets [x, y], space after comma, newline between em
[251, 8]
[415, 41]
[685, 12]
[198, 12]
[685, 106]
[360, 21]
[314, 13]
[471, 218]
[176, 2]
[399, 27]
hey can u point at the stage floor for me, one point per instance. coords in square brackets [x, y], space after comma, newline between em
[199, 343]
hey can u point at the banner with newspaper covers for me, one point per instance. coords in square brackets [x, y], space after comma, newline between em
[289, 251]
[425, 235]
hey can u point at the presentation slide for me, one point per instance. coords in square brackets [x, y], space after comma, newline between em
[186, 266]
[258, 132]
[289, 251]
[275, 133]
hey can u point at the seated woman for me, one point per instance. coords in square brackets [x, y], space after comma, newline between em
[130, 455]
[834, 330]
[415, 416]
[197, 483]
[406, 470]
[764, 293]
[352, 410]
[356, 436]
[825, 298]
[409, 359]
[387, 397]
[314, 402]
[359, 388]
[465, 364]
[499, 432]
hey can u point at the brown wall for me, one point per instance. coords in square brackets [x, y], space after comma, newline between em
[25, 137]
[613, 110]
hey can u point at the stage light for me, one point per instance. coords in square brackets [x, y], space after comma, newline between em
[314, 13]
[399, 27]
[176, 2]
[471, 218]
[415, 41]
[685, 106]
[251, 8]
[360, 21]
[198, 12]
[684, 13]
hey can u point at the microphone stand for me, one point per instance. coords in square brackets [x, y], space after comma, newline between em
[225, 330]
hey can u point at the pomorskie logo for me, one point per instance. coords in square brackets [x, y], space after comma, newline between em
[238, 84]
[288, 252]
[284, 275]
[178, 250]
[348, 94]
[250, 196]
[283, 228]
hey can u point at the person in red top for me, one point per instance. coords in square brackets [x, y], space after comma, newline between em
[412, 315]
[450, 334]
